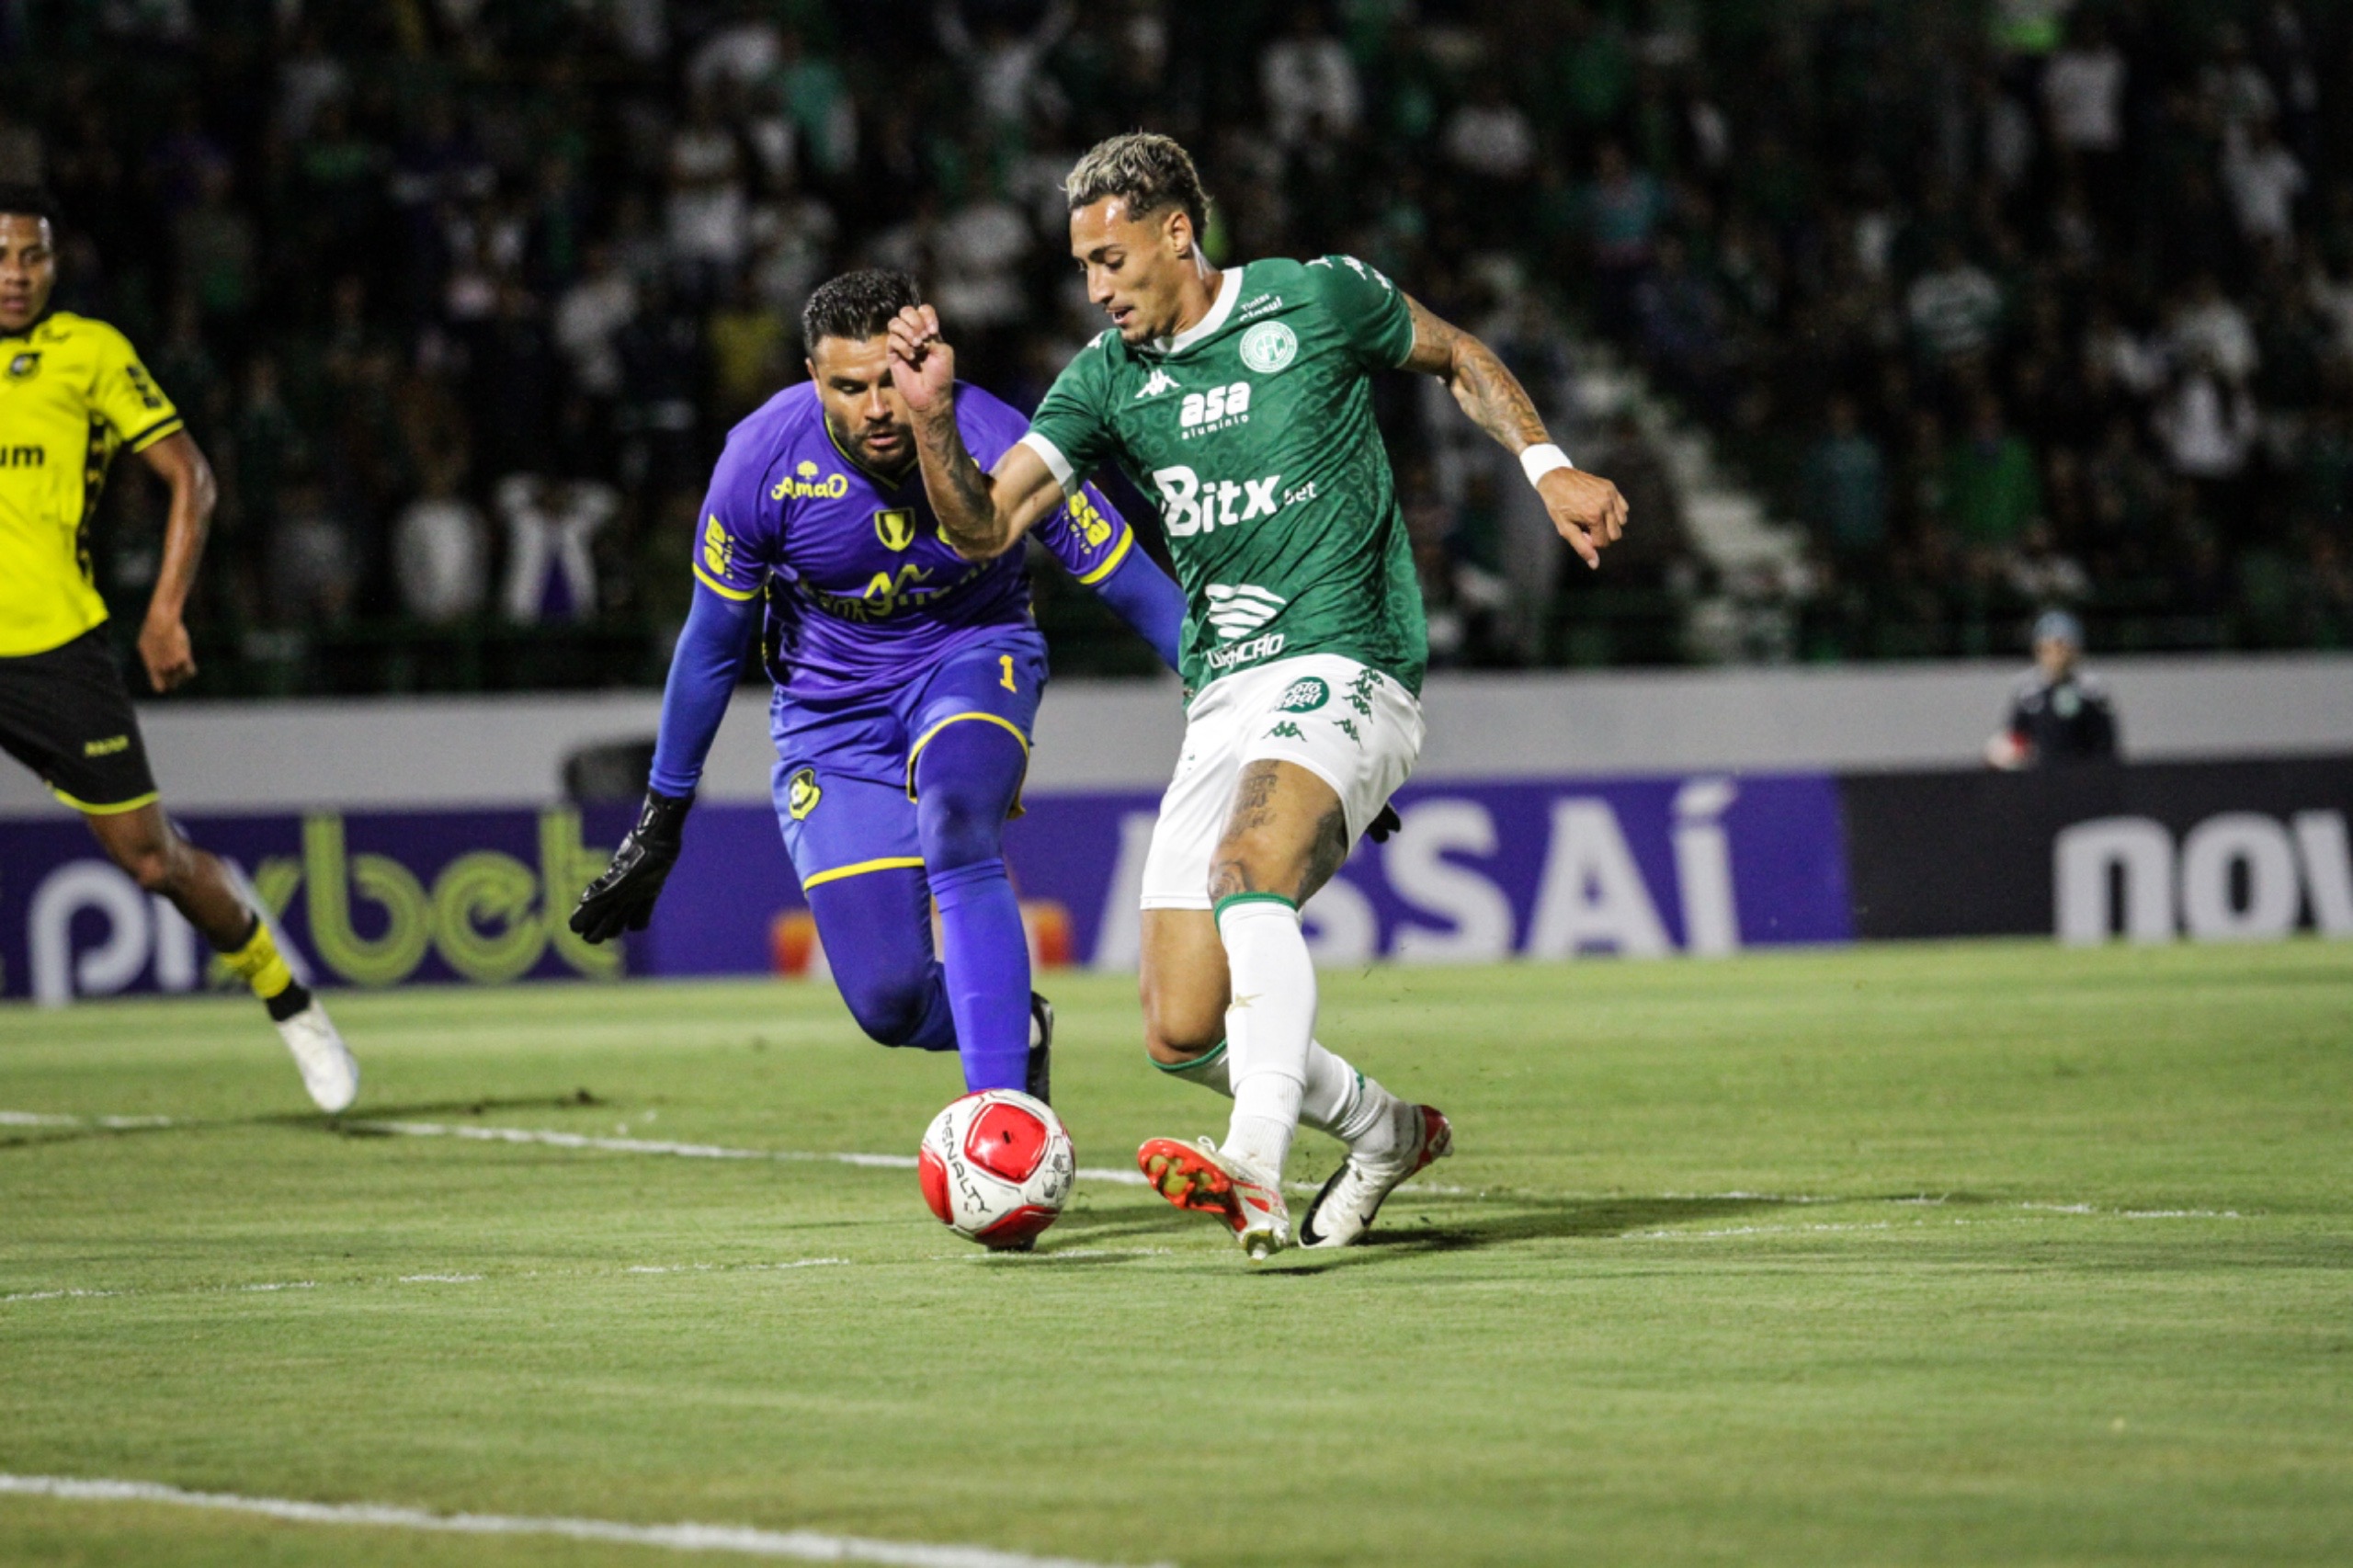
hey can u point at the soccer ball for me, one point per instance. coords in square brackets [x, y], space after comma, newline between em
[997, 1166]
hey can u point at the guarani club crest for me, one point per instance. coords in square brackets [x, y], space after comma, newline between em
[1268, 347]
[895, 527]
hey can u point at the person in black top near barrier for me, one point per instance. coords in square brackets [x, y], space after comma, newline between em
[2057, 714]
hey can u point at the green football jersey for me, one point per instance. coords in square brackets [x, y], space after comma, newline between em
[1253, 431]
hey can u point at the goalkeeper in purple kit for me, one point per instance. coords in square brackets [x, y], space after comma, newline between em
[908, 680]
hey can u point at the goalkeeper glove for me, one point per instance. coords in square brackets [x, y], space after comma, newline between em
[623, 899]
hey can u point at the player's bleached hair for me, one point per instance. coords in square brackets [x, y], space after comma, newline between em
[1145, 169]
[28, 201]
[857, 305]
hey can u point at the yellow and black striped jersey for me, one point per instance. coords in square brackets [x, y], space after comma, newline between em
[71, 393]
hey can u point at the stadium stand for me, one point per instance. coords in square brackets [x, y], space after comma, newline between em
[2005, 306]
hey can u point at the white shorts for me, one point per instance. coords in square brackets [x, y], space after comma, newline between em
[1356, 729]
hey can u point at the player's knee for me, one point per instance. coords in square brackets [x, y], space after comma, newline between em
[959, 825]
[965, 783]
[157, 867]
[1180, 1023]
[1177, 1053]
[1251, 862]
[889, 1008]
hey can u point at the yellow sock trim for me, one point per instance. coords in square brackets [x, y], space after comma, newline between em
[259, 965]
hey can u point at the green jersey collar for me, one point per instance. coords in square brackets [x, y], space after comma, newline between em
[1229, 291]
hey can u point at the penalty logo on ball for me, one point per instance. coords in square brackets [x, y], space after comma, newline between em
[996, 1168]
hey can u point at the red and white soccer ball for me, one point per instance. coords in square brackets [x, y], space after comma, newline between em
[997, 1166]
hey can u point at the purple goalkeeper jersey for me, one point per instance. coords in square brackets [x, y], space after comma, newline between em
[860, 587]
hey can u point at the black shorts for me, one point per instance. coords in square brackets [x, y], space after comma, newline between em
[66, 715]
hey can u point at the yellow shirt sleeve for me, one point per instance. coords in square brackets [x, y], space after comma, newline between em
[126, 397]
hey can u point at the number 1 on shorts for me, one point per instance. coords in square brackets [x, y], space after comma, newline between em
[1006, 660]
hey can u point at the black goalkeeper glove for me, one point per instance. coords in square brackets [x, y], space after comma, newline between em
[623, 899]
[1383, 825]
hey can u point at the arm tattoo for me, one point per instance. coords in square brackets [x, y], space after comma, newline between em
[1491, 395]
[1479, 381]
[960, 494]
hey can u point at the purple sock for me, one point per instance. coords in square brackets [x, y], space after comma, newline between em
[987, 958]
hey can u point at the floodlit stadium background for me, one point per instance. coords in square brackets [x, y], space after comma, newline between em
[1897, 322]
[1897, 325]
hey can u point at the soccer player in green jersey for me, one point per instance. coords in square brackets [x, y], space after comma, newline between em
[1241, 400]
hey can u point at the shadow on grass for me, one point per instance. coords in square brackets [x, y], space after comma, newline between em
[1404, 1232]
[45, 1134]
[358, 1127]
[1405, 1229]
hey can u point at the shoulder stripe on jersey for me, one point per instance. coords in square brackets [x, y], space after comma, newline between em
[1052, 457]
[170, 424]
[1119, 553]
[722, 589]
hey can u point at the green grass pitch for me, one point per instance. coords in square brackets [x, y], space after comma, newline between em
[1978, 1254]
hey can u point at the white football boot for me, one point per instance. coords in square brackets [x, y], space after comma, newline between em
[1343, 1212]
[329, 1071]
[1198, 1176]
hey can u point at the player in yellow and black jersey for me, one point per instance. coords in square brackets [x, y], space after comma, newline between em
[71, 395]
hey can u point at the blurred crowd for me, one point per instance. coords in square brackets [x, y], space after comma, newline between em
[2010, 305]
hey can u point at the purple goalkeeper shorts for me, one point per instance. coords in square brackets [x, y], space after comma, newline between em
[845, 780]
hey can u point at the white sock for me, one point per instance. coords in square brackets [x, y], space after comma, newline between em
[1337, 1098]
[1343, 1102]
[1270, 1025]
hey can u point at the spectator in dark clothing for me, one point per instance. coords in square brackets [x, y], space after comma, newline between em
[1846, 487]
[2058, 715]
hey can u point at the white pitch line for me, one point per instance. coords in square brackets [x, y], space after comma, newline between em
[38, 1118]
[1116, 1176]
[802, 1546]
[682, 1150]
[266, 1286]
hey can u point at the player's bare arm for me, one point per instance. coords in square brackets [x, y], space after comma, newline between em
[163, 645]
[982, 515]
[1585, 508]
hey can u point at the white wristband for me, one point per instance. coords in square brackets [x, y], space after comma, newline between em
[1537, 461]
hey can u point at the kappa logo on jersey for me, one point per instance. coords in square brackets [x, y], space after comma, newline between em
[1236, 609]
[24, 367]
[1189, 505]
[803, 485]
[802, 794]
[1371, 274]
[1268, 347]
[1220, 408]
[1154, 384]
[895, 527]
